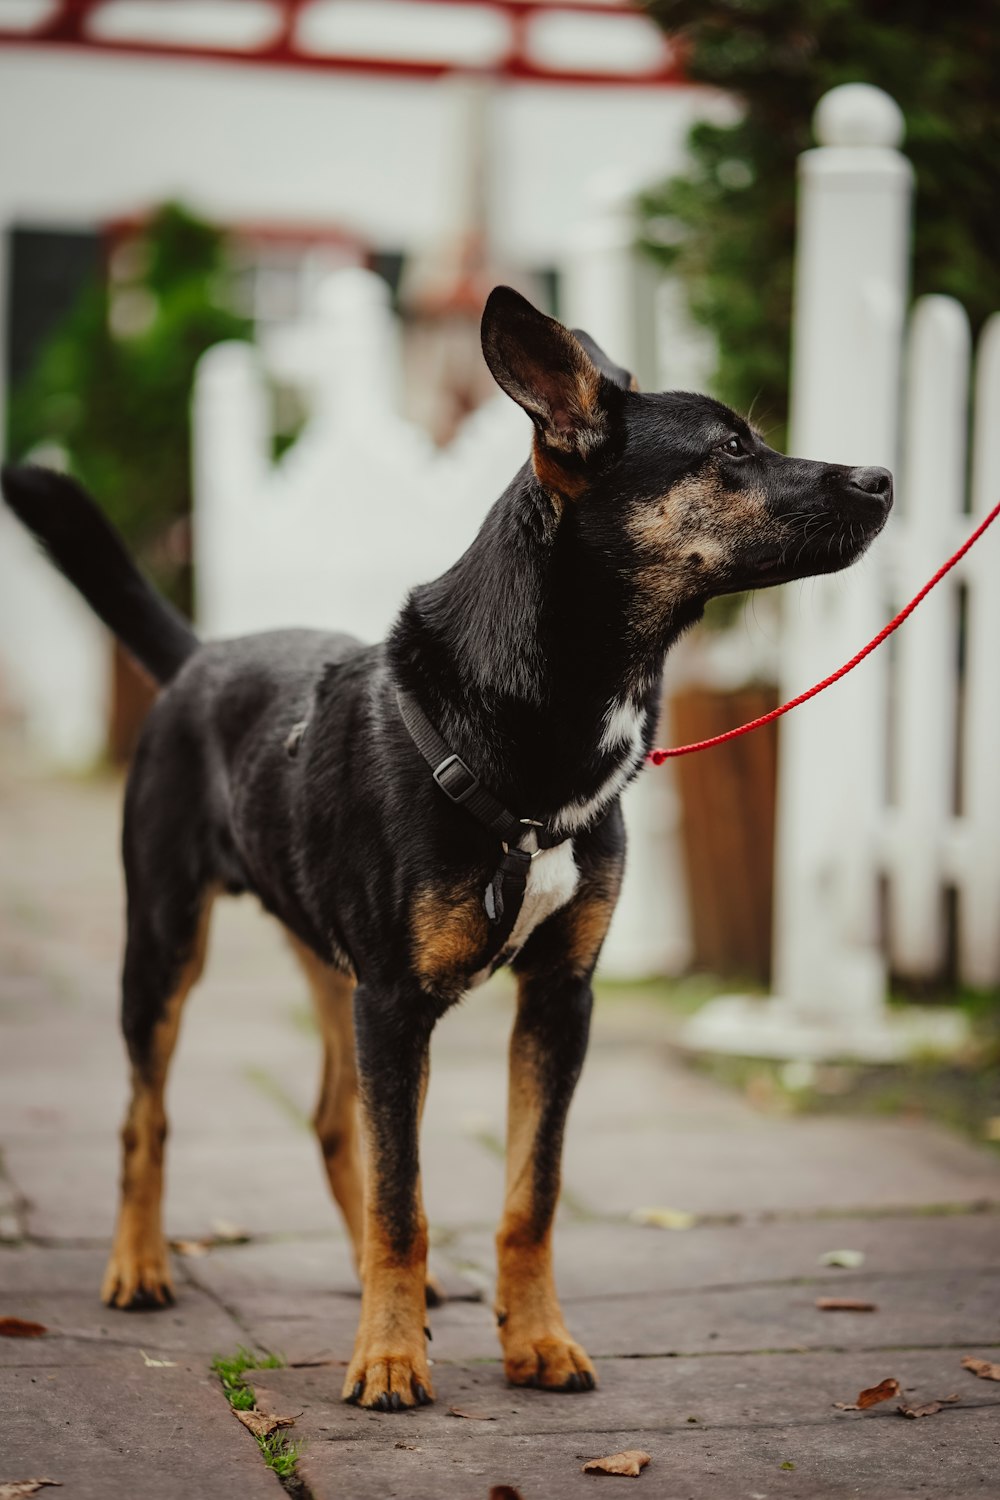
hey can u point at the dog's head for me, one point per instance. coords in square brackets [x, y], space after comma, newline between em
[675, 487]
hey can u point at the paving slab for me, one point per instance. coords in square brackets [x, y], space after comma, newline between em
[927, 1311]
[319, 1265]
[645, 1130]
[836, 1163]
[594, 1259]
[120, 1428]
[658, 1395]
[80, 1328]
[712, 1427]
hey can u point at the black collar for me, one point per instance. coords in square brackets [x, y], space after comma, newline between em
[505, 892]
[462, 785]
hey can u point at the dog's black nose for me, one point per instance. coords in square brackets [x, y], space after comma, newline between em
[874, 482]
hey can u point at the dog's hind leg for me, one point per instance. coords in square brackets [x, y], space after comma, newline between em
[547, 1049]
[168, 920]
[336, 1117]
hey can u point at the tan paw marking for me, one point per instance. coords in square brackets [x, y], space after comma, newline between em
[551, 1361]
[138, 1276]
[388, 1382]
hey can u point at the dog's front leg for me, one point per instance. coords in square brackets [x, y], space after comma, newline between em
[546, 1054]
[389, 1367]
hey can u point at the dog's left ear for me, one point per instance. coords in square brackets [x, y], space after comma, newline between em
[550, 372]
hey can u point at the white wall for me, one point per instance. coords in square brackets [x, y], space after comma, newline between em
[87, 138]
[99, 135]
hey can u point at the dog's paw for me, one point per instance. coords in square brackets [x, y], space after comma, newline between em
[549, 1360]
[138, 1278]
[388, 1382]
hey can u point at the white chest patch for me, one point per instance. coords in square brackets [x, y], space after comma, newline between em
[552, 879]
[624, 727]
[623, 724]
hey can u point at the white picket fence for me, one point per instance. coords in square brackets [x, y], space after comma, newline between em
[941, 819]
[889, 785]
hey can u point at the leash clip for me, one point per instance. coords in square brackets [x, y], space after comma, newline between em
[532, 854]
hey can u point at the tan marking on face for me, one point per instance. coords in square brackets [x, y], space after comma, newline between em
[690, 535]
[449, 931]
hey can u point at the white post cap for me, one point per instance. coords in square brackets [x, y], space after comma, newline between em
[858, 114]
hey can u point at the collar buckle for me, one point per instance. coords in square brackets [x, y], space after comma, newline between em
[455, 779]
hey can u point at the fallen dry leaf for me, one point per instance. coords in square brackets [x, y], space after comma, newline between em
[410, 1447]
[157, 1364]
[14, 1489]
[984, 1368]
[226, 1233]
[471, 1416]
[192, 1248]
[928, 1409]
[884, 1391]
[21, 1328]
[663, 1218]
[844, 1304]
[261, 1423]
[629, 1462]
[848, 1259]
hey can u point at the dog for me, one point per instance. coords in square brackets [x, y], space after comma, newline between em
[420, 812]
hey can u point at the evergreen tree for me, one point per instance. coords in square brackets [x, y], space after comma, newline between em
[727, 225]
[112, 385]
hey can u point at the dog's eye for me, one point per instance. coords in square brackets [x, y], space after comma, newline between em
[734, 446]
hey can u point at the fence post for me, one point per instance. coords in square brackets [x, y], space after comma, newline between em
[979, 903]
[851, 284]
[231, 437]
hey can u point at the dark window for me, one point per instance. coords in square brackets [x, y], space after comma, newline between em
[48, 268]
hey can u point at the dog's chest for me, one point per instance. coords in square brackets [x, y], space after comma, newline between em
[552, 878]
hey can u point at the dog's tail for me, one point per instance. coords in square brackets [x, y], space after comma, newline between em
[83, 544]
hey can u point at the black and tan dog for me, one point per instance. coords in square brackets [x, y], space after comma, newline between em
[418, 812]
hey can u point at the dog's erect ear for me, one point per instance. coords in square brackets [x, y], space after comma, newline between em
[545, 369]
[617, 374]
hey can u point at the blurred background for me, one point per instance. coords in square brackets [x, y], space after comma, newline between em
[244, 246]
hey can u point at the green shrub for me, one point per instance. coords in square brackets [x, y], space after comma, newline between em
[727, 225]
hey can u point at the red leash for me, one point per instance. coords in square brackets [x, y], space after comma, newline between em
[657, 757]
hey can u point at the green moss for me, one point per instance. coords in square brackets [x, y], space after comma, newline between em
[278, 1452]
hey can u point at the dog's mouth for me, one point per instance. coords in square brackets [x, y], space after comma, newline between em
[825, 543]
[822, 517]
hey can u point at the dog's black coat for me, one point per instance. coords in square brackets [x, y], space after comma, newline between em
[634, 510]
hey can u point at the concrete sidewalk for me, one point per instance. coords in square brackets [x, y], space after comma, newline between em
[712, 1355]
